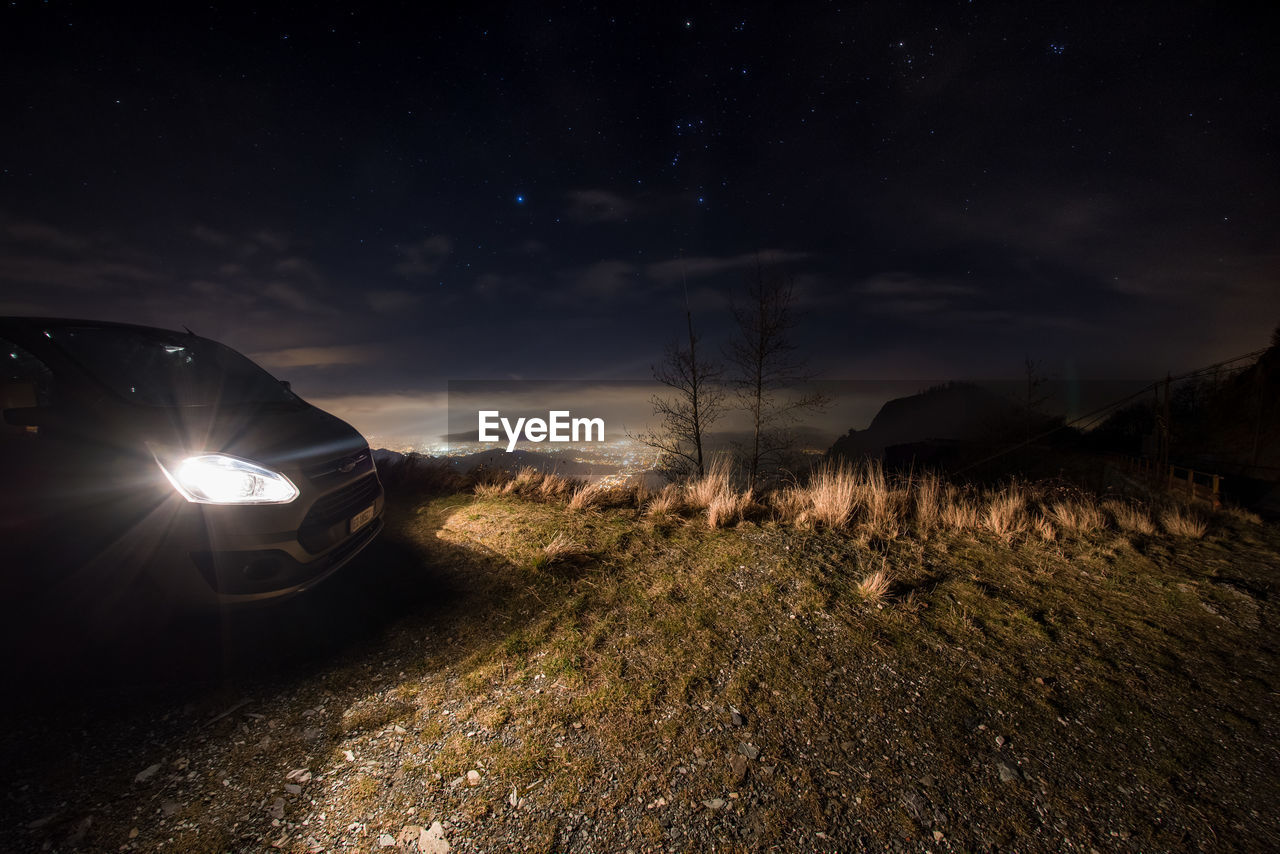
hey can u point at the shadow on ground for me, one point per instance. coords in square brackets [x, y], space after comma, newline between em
[91, 711]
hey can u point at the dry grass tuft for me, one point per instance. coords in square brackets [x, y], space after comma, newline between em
[666, 503]
[829, 499]
[561, 548]
[1240, 514]
[555, 486]
[701, 492]
[929, 497]
[526, 482]
[489, 490]
[874, 587]
[790, 505]
[1044, 529]
[586, 497]
[1006, 514]
[959, 513]
[1130, 519]
[728, 507]
[1080, 516]
[1180, 522]
[600, 496]
[421, 475]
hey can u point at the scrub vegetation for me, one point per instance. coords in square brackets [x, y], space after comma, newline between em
[852, 662]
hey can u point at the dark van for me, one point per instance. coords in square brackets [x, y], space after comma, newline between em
[142, 464]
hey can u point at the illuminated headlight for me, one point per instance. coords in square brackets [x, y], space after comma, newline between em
[220, 479]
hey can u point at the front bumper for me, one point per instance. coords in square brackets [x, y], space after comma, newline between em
[208, 555]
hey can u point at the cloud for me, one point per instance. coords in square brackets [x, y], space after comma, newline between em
[43, 236]
[207, 235]
[424, 258]
[908, 285]
[710, 265]
[604, 279]
[599, 206]
[391, 419]
[392, 301]
[272, 240]
[313, 357]
[34, 255]
[497, 287]
[295, 298]
[299, 268]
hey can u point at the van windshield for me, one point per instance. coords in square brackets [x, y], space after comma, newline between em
[162, 369]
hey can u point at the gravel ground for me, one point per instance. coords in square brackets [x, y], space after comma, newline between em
[378, 716]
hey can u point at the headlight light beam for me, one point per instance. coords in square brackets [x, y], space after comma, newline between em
[223, 479]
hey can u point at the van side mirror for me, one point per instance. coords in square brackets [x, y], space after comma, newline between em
[288, 386]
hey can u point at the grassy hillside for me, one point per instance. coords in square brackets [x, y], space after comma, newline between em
[854, 664]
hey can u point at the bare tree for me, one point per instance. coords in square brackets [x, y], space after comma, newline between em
[695, 403]
[767, 372]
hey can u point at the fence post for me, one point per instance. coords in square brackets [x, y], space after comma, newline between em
[1191, 483]
[1216, 498]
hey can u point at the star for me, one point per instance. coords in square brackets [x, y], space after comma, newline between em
[519, 198]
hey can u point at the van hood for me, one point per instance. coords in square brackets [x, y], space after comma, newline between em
[278, 436]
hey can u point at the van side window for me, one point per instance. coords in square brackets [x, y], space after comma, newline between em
[24, 380]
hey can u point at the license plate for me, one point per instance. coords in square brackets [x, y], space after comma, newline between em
[364, 517]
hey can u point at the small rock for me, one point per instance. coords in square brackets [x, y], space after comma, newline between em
[399, 730]
[293, 788]
[181, 763]
[749, 750]
[301, 776]
[937, 836]
[514, 797]
[736, 717]
[432, 840]
[147, 773]
[999, 741]
[312, 733]
[473, 778]
[1008, 774]
[133, 833]
[349, 755]
[738, 767]
[915, 805]
[277, 808]
[77, 836]
[386, 840]
[714, 804]
[408, 837]
[168, 808]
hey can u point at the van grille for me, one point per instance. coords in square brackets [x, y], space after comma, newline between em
[338, 506]
[357, 463]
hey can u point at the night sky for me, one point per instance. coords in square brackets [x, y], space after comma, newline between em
[372, 200]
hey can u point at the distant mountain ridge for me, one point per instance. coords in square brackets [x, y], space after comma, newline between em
[954, 411]
[544, 461]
